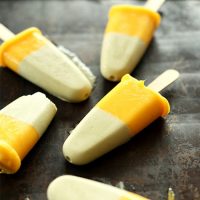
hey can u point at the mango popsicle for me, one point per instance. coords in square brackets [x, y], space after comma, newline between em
[22, 123]
[76, 188]
[117, 117]
[34, 57]
[127, 36]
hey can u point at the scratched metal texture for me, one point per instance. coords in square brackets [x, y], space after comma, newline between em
[166, 154]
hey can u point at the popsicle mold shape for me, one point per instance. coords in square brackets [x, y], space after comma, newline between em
[116, 118]
[127, 36]
[22, 123]
[76, 188]
[34, 57]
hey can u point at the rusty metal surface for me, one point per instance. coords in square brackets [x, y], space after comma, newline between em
[166, 154]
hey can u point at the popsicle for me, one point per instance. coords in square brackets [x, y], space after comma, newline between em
[22, 123]
[117, 117]
[34, 57]
[127, 36]
[76, 188]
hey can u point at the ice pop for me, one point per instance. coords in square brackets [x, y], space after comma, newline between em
[127, 36]
[121, 114]
[22, 123]
[76, 188]
[34, 57]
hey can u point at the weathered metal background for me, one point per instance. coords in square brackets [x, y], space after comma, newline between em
[165, 154]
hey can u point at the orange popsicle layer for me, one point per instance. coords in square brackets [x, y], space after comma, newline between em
[134, 104]
[13, 51]
[133, 21]
[133, 197]
[16, 139]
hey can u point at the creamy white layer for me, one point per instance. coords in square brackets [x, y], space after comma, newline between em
[120, 55]
[98, 133]
[53, 71]
[35, 110]
[75, 188]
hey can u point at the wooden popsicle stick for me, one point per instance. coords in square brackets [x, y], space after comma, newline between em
[171, 195]
[165, 79]
[154, 4]
[5, 33]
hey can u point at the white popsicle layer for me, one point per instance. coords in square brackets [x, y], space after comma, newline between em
[56, 73]
[75, 188]
[96, 134]
[35, 110]
[120, 55]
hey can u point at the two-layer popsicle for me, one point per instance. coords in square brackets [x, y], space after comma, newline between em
[121, 114]
[127, 36]
[22, 123]
[34, 57]
[76, 188]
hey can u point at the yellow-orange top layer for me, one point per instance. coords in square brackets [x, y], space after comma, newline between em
[13, 51]
[16, 140]
[133, 103]
[134, 21]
